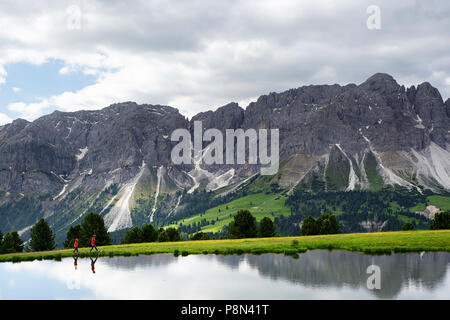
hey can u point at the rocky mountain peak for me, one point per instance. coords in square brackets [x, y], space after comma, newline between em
[229, 116]
[425, 90]
[381, 83]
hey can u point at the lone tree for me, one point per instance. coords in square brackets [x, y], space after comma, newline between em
[243, 226]
[134, 235]
[73, 233]
[266, 228]
[93, 224]
[11, 243]
[408, 226]
[200, 236]
[42, 237]
[441, 221]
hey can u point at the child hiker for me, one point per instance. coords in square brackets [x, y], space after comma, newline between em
[75, 245]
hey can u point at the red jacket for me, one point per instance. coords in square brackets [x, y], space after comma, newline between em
[93, 241]
[75, 244]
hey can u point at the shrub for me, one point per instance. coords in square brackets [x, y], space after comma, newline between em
[200, 236]
[408, 226]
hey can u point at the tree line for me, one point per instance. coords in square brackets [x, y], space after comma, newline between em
[244, 225]
[148, 233]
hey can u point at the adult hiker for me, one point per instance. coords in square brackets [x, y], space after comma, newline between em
[93, 264]
[75, 245]
[93, 245]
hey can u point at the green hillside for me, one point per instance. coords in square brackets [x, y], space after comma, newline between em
[260, 204]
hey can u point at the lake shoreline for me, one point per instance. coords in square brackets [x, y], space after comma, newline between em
[381, 243]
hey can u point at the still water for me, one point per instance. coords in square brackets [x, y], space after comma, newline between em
[315, 274]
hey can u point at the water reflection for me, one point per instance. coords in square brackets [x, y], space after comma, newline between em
[93, 261]
[315, 275]
[339, 269]
[75, 261]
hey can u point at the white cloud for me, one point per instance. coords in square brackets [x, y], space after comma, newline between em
[4, 119]
[16, 89]
[199, 55]
[3, 75]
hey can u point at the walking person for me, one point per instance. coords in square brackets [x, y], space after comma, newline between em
[93, 264]
[93, 245]
[75, 245]
[75, 262]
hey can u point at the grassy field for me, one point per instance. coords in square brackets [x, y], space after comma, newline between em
[260, 205]
[271, 205]
[442, 202]
[369, 243]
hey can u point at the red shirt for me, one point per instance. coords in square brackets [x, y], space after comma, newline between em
[75, 243]
[93, 241]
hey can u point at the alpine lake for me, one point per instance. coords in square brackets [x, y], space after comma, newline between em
[316, 274]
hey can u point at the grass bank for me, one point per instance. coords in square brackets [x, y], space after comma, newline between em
[368, 243]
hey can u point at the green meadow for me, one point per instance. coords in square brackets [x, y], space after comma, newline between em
[259, 204]
[368, 243]
[442, 202]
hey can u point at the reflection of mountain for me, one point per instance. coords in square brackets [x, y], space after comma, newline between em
[129, 263]
[318, 268]
[321, 268]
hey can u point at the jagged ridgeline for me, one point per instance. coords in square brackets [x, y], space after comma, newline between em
[117, 161]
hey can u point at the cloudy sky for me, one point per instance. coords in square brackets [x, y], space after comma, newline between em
[199, 55]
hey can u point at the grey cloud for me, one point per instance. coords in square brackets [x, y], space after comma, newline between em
[315, 42]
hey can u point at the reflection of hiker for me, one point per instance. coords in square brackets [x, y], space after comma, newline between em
[75, 245]
[93, 243]
[93, 264]
[75, 262]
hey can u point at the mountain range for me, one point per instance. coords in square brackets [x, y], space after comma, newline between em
[117, 161]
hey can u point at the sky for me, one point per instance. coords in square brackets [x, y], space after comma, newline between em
[199, 55]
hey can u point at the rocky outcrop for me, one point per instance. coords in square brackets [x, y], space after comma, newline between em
[373, 225]
[429, 212]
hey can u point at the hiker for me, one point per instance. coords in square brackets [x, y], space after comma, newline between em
[75, 262]
[75, 245]
[93, 243]
[93, 264]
